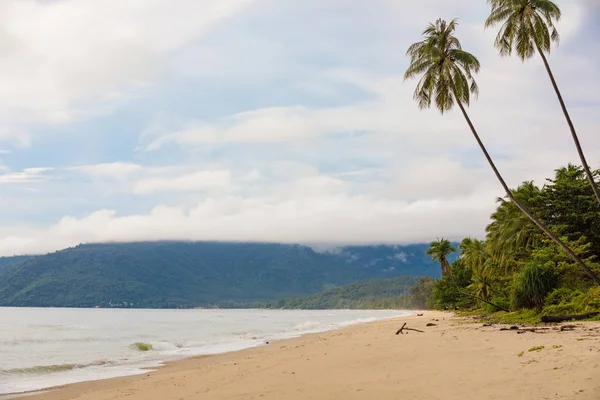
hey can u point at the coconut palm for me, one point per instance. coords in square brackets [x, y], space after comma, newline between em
[473, 252]
[528, 28]
[447, 79]
[439, 251]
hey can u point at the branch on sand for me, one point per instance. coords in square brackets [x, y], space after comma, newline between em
[404, 328]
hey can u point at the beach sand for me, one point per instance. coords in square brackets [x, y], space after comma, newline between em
[457, 359]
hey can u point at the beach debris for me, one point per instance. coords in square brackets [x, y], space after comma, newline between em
[488, 324]
[565, 318]
[431, 324]
[512, 328]
[404, 328]
[420, 315]
[567, 328]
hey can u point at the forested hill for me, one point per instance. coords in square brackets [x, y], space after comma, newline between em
[188, 274]
[393, 293]
[7, 262]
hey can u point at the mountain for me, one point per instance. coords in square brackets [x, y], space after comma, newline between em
[375, 294]
[7, 262]
[188, 274]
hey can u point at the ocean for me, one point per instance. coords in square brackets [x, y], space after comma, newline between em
[45, 347]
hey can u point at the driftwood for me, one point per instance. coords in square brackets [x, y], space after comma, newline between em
[431, 324]
[404, 328]
[512, 328]
[567, 328]
[564, 318]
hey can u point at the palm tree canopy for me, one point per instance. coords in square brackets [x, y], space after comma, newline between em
[526, 26]
[473, 253]
[447, 70]
[440, 249]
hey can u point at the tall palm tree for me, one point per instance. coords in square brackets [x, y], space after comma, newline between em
[528, 28]
[448, 79]
[439, 250]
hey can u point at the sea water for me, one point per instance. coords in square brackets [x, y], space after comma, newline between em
[41, 348]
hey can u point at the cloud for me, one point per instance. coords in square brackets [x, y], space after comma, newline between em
[326, 218]
[111, 170]
[197, 181]
[28, 175]
[71, 59]
[256, 127]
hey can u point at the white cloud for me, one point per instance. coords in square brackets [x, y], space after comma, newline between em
[28, 175]
[111, 170]
[272, 165]
[71, 58]
[196, 181]
[336, 218]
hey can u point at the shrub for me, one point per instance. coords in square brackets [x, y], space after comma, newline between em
[531, 286]
[591, 301]
[449, 292]
[561, 295]
[499, 301]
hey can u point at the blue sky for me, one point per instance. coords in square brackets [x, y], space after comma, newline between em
[266, 120]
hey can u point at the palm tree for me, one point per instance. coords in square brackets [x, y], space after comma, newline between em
[448, 79]
[528, 28]
[439, 250]
[473, 252]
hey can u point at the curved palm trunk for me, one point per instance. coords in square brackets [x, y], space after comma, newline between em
[524, 210]
[445, 266]
[586, 167]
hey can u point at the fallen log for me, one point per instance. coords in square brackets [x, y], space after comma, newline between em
[404, 328]
[564, 318]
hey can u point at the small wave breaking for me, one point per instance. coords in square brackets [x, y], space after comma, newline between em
[141, 346]
[50, 369]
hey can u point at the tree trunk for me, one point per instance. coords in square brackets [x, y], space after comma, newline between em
[586, 167]
[445, 266]
[524, 210]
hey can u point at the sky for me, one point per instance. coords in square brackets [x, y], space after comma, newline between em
[267, 120]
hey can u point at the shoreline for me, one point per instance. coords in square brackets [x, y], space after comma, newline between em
[455, 359]
[173, 360]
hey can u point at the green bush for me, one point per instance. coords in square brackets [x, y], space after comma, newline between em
[531, 286]
[591, 301]
[561, 295]
[449, 292]
[499, 301]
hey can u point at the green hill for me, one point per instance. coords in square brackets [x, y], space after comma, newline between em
[7, 262]
[375, 294]
[188, 274]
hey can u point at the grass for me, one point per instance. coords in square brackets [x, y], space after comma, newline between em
[520, 354]
[536, 348]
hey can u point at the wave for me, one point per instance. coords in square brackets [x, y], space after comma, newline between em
[141, 346]
[49, 369]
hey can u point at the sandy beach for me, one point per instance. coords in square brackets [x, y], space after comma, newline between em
[456, 359]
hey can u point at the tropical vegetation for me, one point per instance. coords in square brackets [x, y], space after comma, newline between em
[541, 248]
[516, 267]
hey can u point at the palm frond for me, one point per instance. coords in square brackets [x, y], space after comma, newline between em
[527, 25]
[447, 70]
